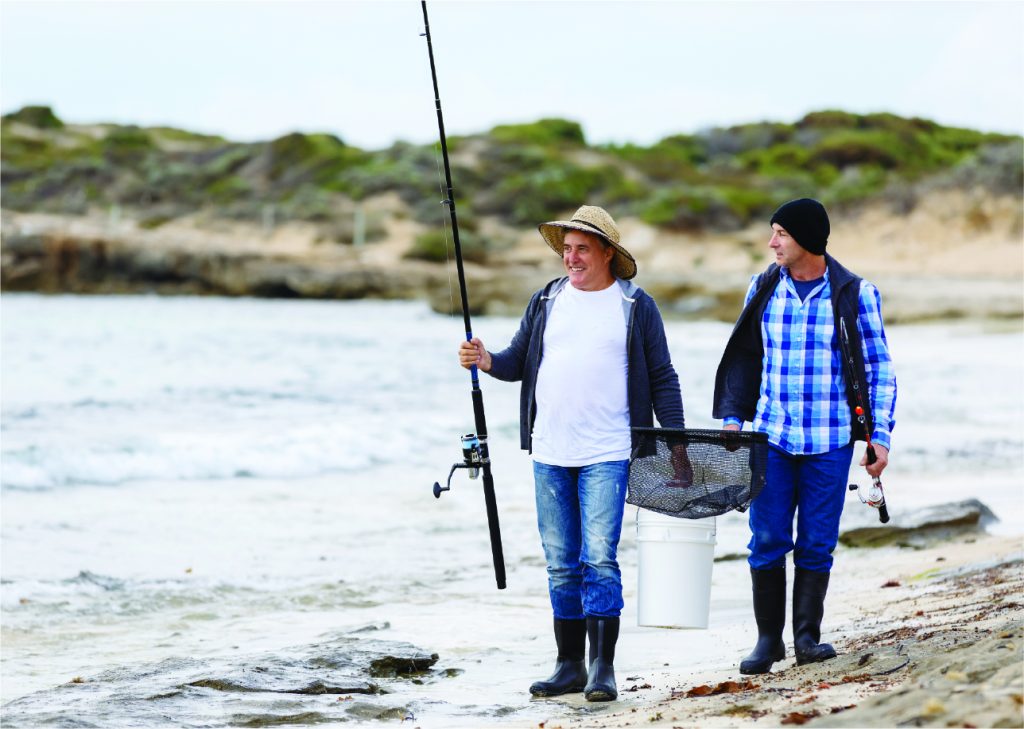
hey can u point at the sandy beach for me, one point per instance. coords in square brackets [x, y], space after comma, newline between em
[925, 638]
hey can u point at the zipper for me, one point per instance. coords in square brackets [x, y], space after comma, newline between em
[629, 341]
[532, 411]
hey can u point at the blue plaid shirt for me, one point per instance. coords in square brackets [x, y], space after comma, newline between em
[803, 407]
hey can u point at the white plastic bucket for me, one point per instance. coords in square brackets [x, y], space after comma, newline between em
[674, 571]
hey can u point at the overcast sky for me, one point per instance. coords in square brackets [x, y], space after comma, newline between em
[628, 71]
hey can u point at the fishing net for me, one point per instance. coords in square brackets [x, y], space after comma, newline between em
[728, 471]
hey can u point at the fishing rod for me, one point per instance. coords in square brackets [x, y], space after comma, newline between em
[875, 495]
[475, 454]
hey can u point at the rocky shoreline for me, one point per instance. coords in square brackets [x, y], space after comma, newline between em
[695, 276]
[53, 254]
[931, 638]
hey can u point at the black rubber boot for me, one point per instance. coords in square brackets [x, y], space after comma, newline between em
[570, 676]
[769, 588]
[603, 632]
[809, 590]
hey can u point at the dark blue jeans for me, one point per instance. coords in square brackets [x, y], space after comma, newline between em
[815, 488]
[579, 514]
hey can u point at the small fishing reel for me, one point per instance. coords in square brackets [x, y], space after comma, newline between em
[875, 498]
[472, 459]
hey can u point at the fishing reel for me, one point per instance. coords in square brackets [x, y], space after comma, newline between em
[875, 498]
[472, 459]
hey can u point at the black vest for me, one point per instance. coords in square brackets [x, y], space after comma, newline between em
[738, 381]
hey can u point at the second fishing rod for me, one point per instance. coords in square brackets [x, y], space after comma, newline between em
[875, 497]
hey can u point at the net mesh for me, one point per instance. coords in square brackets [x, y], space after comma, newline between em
[694, 474]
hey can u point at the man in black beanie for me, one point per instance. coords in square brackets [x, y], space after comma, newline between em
[791, 372]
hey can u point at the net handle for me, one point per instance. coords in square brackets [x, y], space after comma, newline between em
[712, 433]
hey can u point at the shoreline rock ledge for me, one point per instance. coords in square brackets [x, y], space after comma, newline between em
[89, 255]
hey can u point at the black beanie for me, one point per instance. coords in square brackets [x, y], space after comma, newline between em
[806, 220]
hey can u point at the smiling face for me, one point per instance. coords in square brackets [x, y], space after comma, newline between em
[587, 260]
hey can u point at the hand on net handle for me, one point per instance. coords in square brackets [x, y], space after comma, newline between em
[681, 467]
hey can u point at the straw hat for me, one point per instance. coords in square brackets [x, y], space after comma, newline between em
[597, 221]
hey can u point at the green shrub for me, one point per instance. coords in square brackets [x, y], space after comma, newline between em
[533, 197]
[26, 152]
[901, 125]
[621, 190]
[41, 117]
[829, 119]
[224, 161]
[195, 139]
[682, 208]
[409, 170]
[520, 173]
[856, 184]
[544, 132]
[437, 246]
[229, 188]
[673, 159]
[127, 144]
[747, 203]
[824, 174]
[501, 160]
[778, 160]
[294, 155]
[848, 148]
[295, 147]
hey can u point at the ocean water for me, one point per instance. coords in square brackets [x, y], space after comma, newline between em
[217, 512]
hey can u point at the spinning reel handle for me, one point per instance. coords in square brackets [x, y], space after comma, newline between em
[472, 460]
[438, 488]
[883, 512]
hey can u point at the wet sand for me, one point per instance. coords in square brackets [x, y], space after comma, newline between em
[925, 638]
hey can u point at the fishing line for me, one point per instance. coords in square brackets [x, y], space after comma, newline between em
[444, 223]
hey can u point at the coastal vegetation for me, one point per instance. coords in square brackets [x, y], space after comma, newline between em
[717, 179]
[104, 208]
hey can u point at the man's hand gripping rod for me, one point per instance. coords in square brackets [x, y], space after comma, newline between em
[876, 496]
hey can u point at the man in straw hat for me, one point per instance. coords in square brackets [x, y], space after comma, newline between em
[592, 356]
[790, 369]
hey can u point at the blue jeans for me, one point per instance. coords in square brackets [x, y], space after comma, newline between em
[815, 488]
[579, 514]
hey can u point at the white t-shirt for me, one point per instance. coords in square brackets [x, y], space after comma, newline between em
[582, 404]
